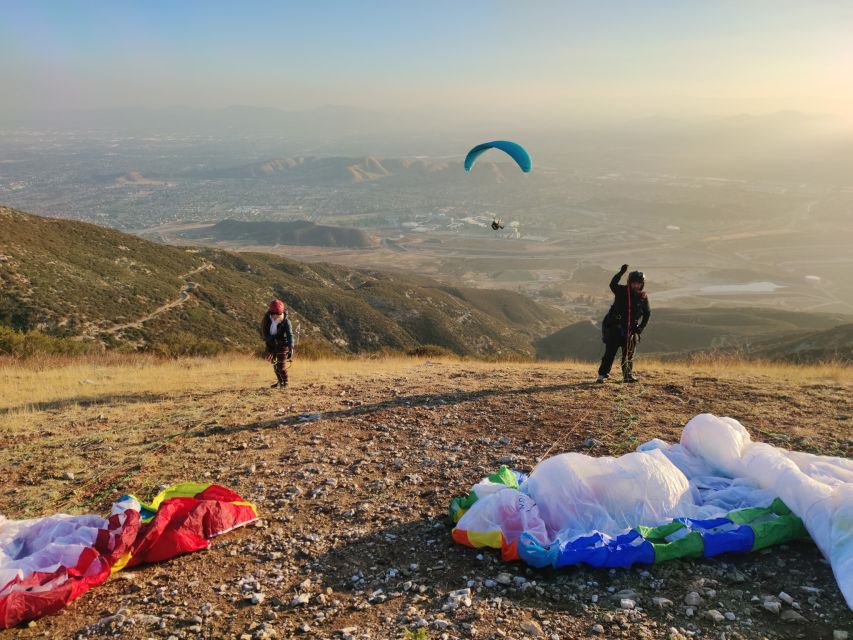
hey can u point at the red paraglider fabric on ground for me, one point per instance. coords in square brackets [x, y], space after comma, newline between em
[181, 524]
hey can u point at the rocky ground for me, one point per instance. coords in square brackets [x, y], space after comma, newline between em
[352, 473]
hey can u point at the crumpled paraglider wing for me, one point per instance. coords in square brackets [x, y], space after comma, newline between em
[47, 562]
[512, 149]
[714, 492]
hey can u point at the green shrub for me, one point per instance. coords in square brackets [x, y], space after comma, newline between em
[34, 343]
[430, 351]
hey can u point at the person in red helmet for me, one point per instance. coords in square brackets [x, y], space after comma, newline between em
[277, 333]
[623, 324]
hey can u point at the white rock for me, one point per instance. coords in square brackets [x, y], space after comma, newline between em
[693, 599]
[661, 603]
[300, 600]
[627, 603]
[840, 634]
[531, 628]
[784, 597]
[715, 616]
[773, 606]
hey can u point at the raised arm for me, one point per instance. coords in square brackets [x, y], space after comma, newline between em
[614, 283]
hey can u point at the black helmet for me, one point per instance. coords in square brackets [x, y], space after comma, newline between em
[637, 276]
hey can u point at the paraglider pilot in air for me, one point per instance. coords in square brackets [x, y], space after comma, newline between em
[623, 324]
[277, 333]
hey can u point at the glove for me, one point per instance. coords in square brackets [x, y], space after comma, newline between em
[624, 268]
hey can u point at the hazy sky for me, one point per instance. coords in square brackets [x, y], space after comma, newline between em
[548, 60]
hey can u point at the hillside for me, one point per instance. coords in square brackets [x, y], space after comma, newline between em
[758, 332]
[352, 470]
[816, 346]
[72, 279]
[271, 233]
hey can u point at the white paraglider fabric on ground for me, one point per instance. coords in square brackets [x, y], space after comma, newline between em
[44, 544]
[715, 469]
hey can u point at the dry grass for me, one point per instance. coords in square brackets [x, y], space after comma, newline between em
[139, 423]
[30, 386]
[36, 385]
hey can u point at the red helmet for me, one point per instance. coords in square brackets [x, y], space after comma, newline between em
[276, 307]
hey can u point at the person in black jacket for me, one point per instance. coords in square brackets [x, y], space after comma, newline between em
[624, 323]
[277, 333]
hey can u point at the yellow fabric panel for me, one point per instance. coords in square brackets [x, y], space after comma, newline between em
[492, 539]
[121, 563]
[180, 490]
[247, 504]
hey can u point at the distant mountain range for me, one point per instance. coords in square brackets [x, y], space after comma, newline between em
[421, 172]
[786, 145]
[77, 280]
[234, 120]
[271, 233]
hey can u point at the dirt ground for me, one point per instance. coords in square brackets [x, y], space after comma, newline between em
[352, 469]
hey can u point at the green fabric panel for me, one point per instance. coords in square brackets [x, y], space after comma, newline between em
[780, 508]
[778, 531]
[659, 534]
[745, 516]
[459, 505]
[690, 546]
[505, 477]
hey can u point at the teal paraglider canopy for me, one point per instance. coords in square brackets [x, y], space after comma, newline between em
[512, 149]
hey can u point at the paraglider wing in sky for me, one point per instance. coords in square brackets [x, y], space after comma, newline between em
[512, 149]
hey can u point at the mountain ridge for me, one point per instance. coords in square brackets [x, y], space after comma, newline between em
[77, 280]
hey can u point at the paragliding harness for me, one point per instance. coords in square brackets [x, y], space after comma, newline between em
[288, 360]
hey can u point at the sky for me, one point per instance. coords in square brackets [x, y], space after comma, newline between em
[549, 61]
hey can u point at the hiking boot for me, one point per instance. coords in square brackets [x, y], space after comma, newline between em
[275, 385]
[631, 378]
[601, 379]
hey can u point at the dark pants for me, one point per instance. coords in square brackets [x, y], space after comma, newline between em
[613, 342]
[279, 353]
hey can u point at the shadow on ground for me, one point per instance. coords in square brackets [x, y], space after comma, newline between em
[419, 400]
[106, 399]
